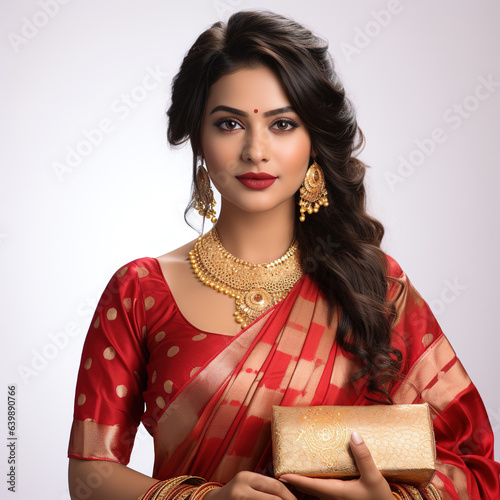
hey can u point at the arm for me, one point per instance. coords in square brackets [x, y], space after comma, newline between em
[103, 480]
[108, 400]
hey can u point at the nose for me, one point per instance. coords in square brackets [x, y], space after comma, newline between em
[256, 147]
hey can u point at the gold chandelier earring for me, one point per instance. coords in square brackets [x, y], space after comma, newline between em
[313, 192]
[204, 201]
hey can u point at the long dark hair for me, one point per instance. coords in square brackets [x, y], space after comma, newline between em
[339, 245]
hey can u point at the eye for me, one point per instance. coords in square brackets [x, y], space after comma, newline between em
[227, 124]
[285, 125]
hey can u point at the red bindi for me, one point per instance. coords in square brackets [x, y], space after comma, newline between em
[255, 110]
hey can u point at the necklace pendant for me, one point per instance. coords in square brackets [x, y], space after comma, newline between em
[253, 303]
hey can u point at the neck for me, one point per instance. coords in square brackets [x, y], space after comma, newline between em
[257, 237]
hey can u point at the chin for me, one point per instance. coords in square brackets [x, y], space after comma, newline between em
[261, 206]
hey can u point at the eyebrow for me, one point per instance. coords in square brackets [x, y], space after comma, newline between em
[242, 113]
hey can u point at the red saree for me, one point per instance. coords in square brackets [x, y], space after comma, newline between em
[208, 407]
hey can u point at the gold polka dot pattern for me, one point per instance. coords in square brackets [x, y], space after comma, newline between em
[111, 313]
[120, 273]
[125, 346]
[121, 391]
[173, 351]
[109, 353]
[427, 339]
[159, 336]
[200, 336]
[142, 271]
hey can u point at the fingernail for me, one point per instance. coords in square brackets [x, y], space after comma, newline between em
[356, 438]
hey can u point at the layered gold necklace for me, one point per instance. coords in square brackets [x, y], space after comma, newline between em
[255, 287]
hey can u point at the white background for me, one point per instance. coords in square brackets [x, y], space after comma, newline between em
[62, 237]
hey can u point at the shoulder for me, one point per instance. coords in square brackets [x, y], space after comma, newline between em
[137, 269]
[396, 278]
[393, 268]
[414, 322]
[178, 256]
[149, 272]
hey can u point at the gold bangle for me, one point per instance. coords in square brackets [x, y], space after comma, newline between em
[149, 493]
[403, 492]
[185, 494]
[413, 492]
[178, 490]
[202, 490]
[434, 493]
[162, 488]
[175, 485]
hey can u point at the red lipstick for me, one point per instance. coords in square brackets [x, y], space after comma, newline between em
[256, 180]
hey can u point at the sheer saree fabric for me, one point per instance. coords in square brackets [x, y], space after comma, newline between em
[218, 421]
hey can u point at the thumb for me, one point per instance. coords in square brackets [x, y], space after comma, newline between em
[367, 468]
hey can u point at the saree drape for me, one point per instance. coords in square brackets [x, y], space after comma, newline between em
[214, 419]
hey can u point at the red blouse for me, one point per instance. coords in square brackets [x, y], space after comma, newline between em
[139, 349]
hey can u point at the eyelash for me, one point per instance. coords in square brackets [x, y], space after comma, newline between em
[289, 121]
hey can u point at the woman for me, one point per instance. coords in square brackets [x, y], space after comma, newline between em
[331, 320]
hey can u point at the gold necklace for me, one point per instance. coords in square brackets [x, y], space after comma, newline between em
[255, 287]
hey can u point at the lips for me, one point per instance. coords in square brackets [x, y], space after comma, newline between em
[256, 180]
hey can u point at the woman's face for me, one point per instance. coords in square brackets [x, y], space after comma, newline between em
[255, 146]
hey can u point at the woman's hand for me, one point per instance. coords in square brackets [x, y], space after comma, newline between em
[251, 486]
[371, 485]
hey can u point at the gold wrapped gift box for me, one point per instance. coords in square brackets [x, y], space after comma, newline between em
[314, 441]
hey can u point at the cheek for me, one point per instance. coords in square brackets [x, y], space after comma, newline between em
[296, 155]
[218, 153]
[220, 163]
